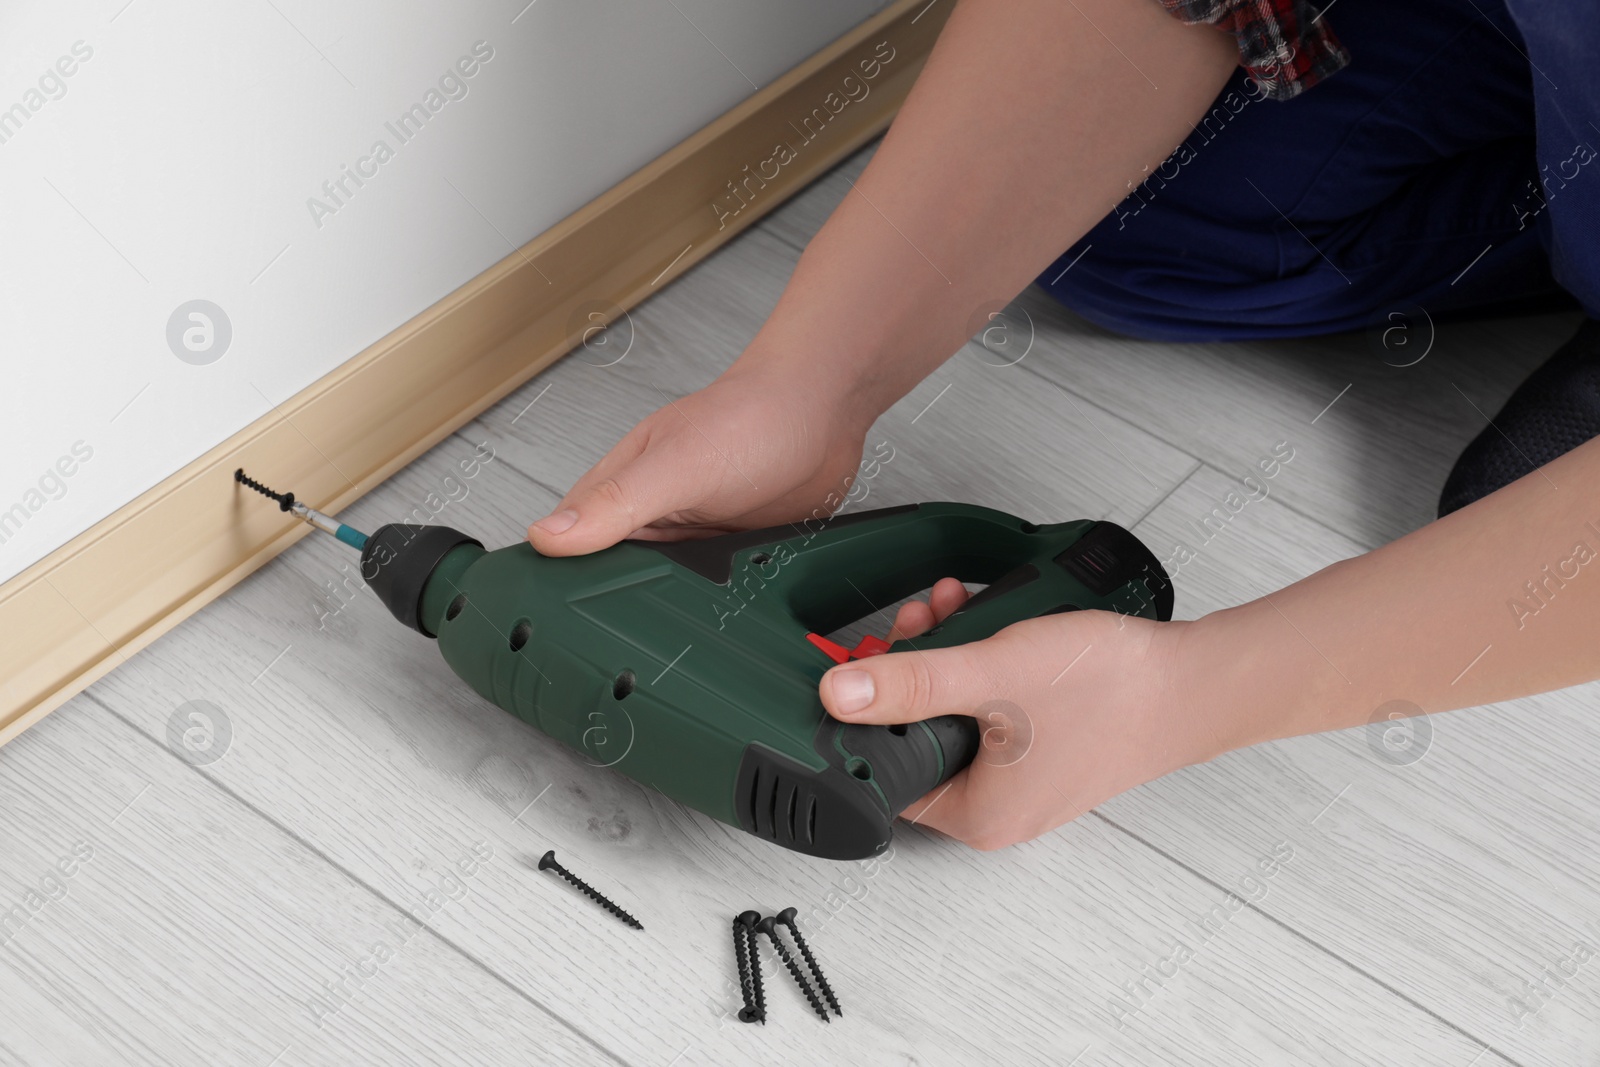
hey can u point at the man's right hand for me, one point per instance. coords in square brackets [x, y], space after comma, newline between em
[745, 452]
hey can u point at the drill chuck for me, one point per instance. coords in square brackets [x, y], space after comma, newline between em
[398, 561]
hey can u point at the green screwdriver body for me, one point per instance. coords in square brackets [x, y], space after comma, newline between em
[693, 666]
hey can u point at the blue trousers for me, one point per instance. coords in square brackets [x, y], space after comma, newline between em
[1453, 165]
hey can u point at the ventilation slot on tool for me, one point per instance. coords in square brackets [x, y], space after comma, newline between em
[776, 805]
[820, 812]
[1099, 560]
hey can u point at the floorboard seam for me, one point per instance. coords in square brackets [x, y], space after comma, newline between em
[364, 884]
[1199, 464]
[1312, 519]
[1188, 452]
[1308, 940]
[1147, 431]
[559, 494]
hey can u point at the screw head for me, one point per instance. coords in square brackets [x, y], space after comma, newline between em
[749, 918]
[786, 916]
[749, 1015]
[548, 860]
[768, 926]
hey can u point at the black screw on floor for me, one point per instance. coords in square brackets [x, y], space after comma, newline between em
[769, 926]
[548, 863]
[786, 918]
[747, 921]
[741, 953]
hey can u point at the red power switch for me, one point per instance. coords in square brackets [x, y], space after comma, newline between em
[837, 653]
[867, 646]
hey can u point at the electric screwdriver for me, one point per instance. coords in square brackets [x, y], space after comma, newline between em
[692, 666]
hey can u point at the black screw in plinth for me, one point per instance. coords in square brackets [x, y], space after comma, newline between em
[786, 918]
[285, 500]
[769, 927]
[548, 863]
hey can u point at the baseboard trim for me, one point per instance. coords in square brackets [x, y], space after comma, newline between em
[85, 608]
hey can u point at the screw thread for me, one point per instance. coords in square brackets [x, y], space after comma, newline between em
[816, 972]
[285, 500]
[753, 950]
[798, 975]
[741, 953]
[598, 897]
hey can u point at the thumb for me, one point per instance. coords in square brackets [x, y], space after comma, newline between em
[910, 686]
[624, 492]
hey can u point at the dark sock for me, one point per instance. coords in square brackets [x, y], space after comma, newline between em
[1554, 411]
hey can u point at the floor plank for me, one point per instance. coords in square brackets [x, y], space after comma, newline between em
[1456, 870]
[192, 930]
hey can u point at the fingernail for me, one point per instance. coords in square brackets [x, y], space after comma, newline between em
[852, 690]
[560, 522]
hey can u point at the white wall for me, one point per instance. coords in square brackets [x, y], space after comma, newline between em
[176, 161]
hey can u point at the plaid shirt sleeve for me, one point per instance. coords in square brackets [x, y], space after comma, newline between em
[1284, 44]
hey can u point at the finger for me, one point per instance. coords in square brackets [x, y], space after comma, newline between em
[912, 619]
[978, 807]
[968, 808]
[915, 618]
[543, 531]
[910, 686]
[947, 595]
[942, 808]
[628, 490]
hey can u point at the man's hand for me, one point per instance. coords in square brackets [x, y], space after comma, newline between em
[936, 230]
[1491, 602]
[1073, 709]
[746, 451]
